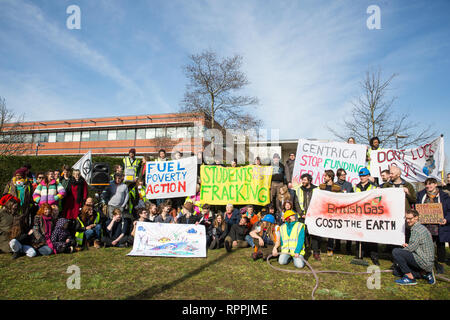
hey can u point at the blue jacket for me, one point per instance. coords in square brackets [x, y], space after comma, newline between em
[444, 230]
[235, 218]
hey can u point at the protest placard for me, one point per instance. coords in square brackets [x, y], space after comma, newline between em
[377, 215]
[171, 179]
[169, 240]
[416, 164]
[430, 213]
[314, 157]
[243, 185]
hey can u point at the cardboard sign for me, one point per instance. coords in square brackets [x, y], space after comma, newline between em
[376, 215]
[430, 213]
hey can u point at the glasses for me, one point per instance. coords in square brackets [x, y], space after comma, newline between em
[40, 177]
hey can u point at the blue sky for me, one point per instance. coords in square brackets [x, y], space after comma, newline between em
[303, 58]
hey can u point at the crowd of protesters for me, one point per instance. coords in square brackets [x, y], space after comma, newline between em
[51, 213]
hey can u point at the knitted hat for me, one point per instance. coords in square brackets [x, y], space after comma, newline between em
[22, 171]
[132, 151]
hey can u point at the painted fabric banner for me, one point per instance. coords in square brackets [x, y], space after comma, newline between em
[371, 216]
[169, 240]
[242, 185]
[314, 157]
[417, 164]
[171, 179]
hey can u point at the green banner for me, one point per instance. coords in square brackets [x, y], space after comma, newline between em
[242, 185]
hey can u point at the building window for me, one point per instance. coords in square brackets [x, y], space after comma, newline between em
[60, 137]
[43, 137]
[171, 132]
[160, 132]
[140, 134]
[181, 132]
[52, 137]
[112, 134]
[131, 134]
[85, 136]
[94, 136]
[68, 136]
[103, 135]
[76, 136]
[121, 134]
[150, 133]
[190, 132]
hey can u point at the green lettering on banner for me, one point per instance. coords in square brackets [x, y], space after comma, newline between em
[261, 196]
[225, 195]
[206, 177]
[214, 192]
[203, 191]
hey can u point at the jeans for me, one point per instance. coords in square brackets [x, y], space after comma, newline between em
[405, 263]
[284, 259]
[249, 240]
[95, 233]
[45, 250]
[16, 246]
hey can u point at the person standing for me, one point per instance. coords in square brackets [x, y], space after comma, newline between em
[366, 184]
[342, 182]
[440, 232]
[132, 166]
[290, 169]
[48, 191]
[76, 195]
[278, 178]
[304, 194]
[384, 177]
[116, 195]
[21, 188]
[329, 185]
[416, 258]
[396, 181]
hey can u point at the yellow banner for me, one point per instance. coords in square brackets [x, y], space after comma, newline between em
[242, 185]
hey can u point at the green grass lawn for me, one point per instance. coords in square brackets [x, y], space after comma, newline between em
[110, 274]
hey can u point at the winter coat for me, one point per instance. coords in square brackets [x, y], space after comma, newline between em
[444, 198]
[6, 222]
[12, 189]
[191, 220]
[234, 219]
[38, 236]
[218, 232]
[289, 169]
[409, 199]
[72, 204]
[51, 193]
[334, 187]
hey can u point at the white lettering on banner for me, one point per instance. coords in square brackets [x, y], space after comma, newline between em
[371, 216]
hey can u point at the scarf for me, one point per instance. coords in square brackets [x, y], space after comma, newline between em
[80, 188]
[48, 232]
[432, 197]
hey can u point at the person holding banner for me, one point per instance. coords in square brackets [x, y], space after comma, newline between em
[291, 241]
[164, 216]
[396, 181]
[366, 184]
[304, 194]
[440, 232]
[329, 185]
[374, 145]
[416, 258]
[132, 166]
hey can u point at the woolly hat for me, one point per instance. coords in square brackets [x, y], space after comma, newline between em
[22, 171]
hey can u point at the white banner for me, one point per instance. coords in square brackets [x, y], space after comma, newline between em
[371, 216]
[85, 166]
[417, 164]
[314, 157]
[171, 179]
[169, 240]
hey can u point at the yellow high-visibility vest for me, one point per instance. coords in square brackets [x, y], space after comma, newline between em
[79, 236]
[131, 168]
[290, 242]
[371, 187]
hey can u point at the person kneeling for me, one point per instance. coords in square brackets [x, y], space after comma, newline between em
[292, 240]
[416, 258]
[265, 234]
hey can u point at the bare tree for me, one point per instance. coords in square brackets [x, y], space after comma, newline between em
[12, 142]
[213, 89]
[373, 116]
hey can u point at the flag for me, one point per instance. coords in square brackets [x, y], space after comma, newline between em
[85, 166]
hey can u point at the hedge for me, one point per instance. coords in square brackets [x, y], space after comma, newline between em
[9, 164]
